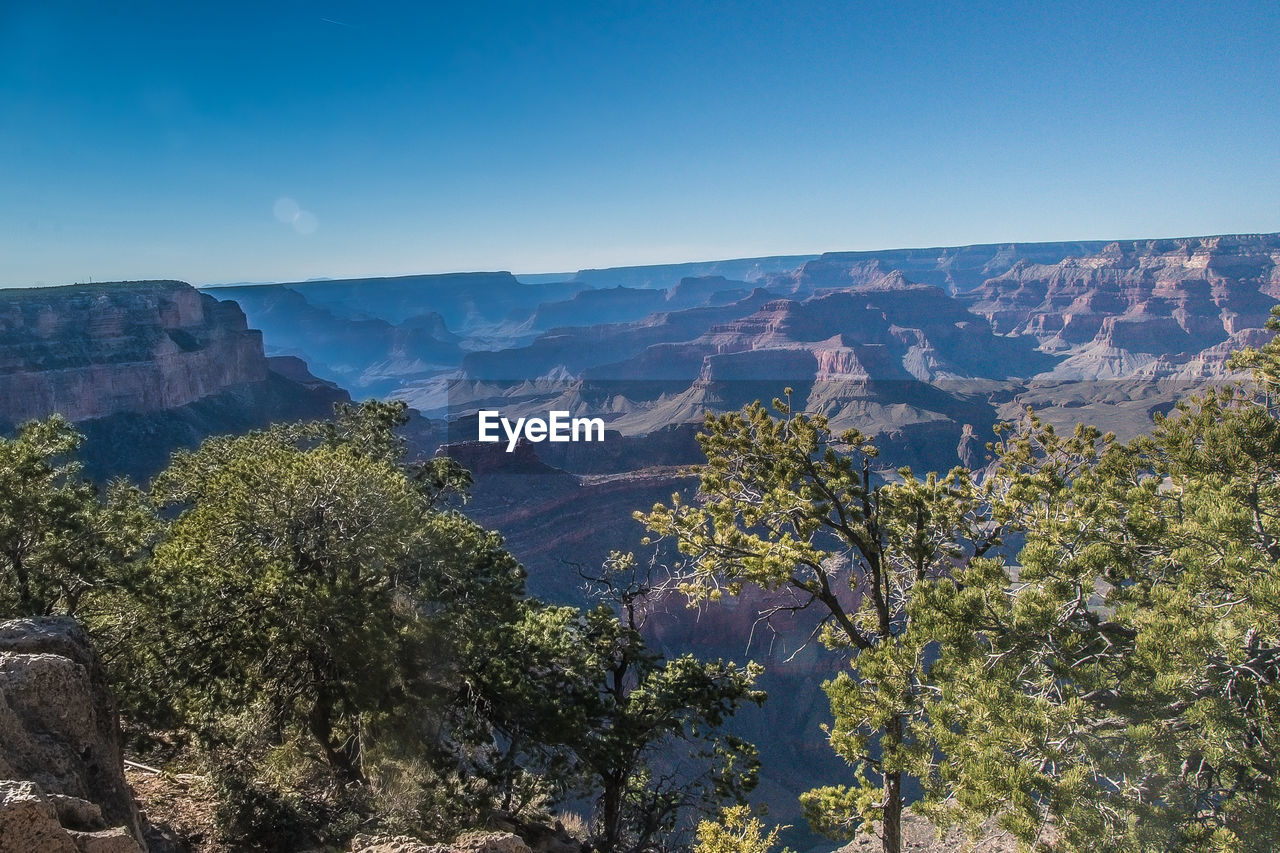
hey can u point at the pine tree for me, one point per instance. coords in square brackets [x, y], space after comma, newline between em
[60, 546]
[307, 589]
[1121, 692]
[786, 505]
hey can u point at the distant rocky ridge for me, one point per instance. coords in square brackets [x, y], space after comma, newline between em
[144, 368]
[664, 276]
[377, 335]
[579, 349]
[368, 355]
[1090, 310]
[1155, 308]
[1084, 335]
[462, 299]
[954, 268]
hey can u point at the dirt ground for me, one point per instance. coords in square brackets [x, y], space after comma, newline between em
[181, 803]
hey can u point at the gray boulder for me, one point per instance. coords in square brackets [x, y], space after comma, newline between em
[60, 743]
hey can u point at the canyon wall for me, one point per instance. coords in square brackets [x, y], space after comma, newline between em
[144, 368]
[98, 350]
[1156, 308]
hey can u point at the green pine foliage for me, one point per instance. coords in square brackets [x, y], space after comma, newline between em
[60, 546]
[786, 505]
[1121, 690]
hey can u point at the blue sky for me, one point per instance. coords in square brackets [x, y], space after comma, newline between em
[267, 141]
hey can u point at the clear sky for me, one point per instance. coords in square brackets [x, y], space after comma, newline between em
[230, 141]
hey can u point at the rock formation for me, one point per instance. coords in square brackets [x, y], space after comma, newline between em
[586, 347]
[63, 782]
[1152, 308]
[91, 351]
[366, 355]
[462, 299]
[661, 276]
[483, 842]
[954, 268]
[144, 368]
[607, 305]
[534, 839]
[1095, 310]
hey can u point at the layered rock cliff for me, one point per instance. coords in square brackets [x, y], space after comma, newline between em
[1155, 308]
[144, 368]
[953, 268]
[92, 351]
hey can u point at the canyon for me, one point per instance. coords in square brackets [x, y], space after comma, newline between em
[645, 348]
[925, 348]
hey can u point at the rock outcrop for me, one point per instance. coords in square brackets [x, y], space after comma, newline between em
[608, 305]
[484, 842]
[144, 368]
[1155, 308]
[920, 836]
[89, 351]
[548, 840]
[63, 782]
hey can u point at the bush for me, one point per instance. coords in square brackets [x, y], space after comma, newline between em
[254, 816]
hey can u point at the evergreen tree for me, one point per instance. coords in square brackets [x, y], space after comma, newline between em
[655, 748]
[59, 546]
[788, 506]
[1122, 691]
[305, 587]
[581, 699]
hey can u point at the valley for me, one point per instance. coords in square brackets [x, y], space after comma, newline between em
[925, 349]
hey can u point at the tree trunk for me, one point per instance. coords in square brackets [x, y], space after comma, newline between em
[892, 813]
[892, 825]
[24, 583]
[506, 770]
[611, 820]
[343, 758]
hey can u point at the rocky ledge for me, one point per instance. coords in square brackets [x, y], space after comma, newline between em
[62, 785]
[89, 351]
[144, 368]
[548, 841]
